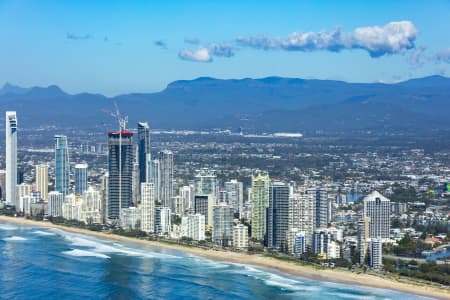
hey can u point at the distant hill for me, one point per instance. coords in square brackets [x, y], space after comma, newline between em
[267, 104]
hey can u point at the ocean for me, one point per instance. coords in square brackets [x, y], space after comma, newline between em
[40, 263]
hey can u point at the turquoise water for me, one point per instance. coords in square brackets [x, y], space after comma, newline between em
[39, 263]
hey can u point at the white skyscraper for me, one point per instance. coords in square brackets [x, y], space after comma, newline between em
[11, 158]
[55, 203]
[222, 231]
[147, 207]
[378, 209]
[166, 177]
[235, 195]
[240, 236]
[42, 180]
[376, 253]
[193, 226]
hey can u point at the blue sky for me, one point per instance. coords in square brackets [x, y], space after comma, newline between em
[115, 47]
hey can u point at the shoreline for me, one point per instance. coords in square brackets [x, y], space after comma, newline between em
[291, 268]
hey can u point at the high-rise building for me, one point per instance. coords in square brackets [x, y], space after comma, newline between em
[144, 157]
[130, 218]
[240, 236]
[193, 226]
[204, 205]
[206, 182]
[278, 216]
[23, 190]
[105, 197]
[92, 206]
[3, 184]
[301, 217]
[376, 253]
[81, 180]
[321, 207]
[163, 223]
[11, 159]
[362, 238]
[62, 167]
[378, 209]
[235, 196]
[260, 203]
[42, 180]
[120, 169]
[222, 230]
[166, 177]
[155, 178]
[147, 207]
[187, 196]
[55, 203]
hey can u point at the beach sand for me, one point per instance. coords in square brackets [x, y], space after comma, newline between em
[292, 268]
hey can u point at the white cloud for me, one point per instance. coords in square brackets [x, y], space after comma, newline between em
[443, 56]
[200, 55]
[392, 38]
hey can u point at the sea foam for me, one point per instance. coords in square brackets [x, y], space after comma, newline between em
[85, 253]
[15, 239]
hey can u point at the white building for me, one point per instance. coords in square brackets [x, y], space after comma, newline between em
[235, 195]
[92, 206]
[130, 218]
[22, 190]
[187, 196]
[55, 204]
[42, 180]
[11, 159]
[376, 253]
[147, 207]
[163, 224]
[193, 226]
[378, 209]
[240, 236]
[362, 238]
[222, 231]
[71, 208]
[301, 217]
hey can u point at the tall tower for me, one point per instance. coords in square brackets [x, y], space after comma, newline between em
[144, 157]
[147, 207]
[62, 164]
[120, 169]
[235, 195]
[206, 183]
[278, 216]
[378, 209]
[166, 177]
[42, 180]
[155, 177]
[260, 203]
[11, 158]
[81, 182]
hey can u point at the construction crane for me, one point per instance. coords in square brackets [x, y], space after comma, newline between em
[122, 120]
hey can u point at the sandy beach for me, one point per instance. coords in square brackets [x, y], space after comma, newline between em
[337, 276]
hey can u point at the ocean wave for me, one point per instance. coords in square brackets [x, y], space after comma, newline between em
[7, 227]
[41, 232]
[15, 239]
[85, 253]
[99, 246]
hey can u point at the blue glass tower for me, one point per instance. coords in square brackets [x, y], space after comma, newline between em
[62, 171]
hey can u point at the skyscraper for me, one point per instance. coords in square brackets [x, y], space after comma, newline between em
[165, 158]
[321, 209]
[11, 158]
[260, 203]
[235, 196]
[42, 180]
[147, 207]
[155, 178]
[62, 171]
[206, 182]
[144, 157]
[378, 209]
[81, 182]
[55, 203]
[120, 169]
[278, 216]
[222, 230]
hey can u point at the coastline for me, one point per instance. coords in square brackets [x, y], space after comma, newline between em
[291, 268]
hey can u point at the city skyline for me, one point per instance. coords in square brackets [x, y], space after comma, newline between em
[388, 41]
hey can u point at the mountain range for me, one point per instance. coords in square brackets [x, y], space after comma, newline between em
[257, 105]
